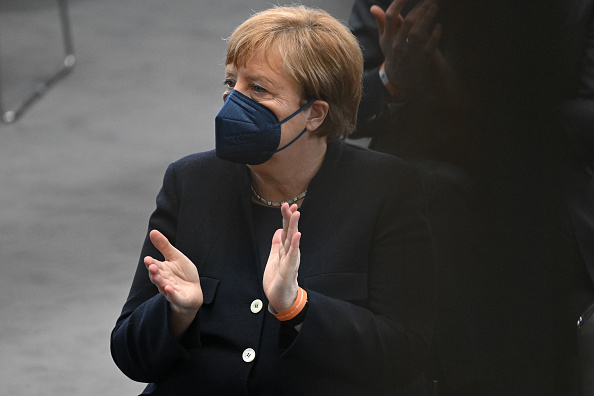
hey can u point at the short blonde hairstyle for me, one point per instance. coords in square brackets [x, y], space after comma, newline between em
[317, 51]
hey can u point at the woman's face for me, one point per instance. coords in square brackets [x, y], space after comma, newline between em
[271, 88]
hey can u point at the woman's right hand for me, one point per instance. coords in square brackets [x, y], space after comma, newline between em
[177, 279]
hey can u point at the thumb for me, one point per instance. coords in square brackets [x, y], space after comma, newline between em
[380, 17]
[161, 242]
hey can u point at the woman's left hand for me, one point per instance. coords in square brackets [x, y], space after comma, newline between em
[280, 276]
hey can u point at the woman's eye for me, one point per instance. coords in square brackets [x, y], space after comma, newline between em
[258, 88]
[229, 83]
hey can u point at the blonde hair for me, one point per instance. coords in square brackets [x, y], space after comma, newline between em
[317, 51]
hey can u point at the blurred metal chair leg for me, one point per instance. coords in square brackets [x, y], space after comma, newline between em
[11, 115]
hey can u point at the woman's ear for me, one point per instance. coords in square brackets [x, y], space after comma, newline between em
[317, 113]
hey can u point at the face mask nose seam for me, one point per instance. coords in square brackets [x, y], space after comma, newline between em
[250, 105]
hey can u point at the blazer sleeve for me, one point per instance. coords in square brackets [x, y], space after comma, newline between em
[385, 343]
[142, 345]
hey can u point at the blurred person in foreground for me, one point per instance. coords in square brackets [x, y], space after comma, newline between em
[414, 106]
[286, 261]
[517, 64]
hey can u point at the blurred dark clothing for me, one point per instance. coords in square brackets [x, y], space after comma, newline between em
[577, 54]
[525, 147]
[578, 121]
[525, 72]
[420, 130]
[577, 115]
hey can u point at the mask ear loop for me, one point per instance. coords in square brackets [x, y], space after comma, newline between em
[292, 141]
[304, 107]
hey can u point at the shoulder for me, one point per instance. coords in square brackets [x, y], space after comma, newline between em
[352, 170]
[200, 171]
[196, 160]
[362, 161]
[202, 164]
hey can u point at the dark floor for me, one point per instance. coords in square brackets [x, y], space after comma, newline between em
[80, 171]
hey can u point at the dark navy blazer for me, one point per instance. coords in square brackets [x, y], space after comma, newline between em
[366, 262]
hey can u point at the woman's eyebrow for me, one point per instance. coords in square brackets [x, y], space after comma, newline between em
[261, 77]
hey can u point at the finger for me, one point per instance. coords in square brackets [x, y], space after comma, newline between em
[421, 8]
[380, 18]
[393, 19]
[292, 229]
[420, 30]
[152, 265]
[153, 269]
[289, 267]
[169, 292]
[162, 244]
[412, 19]
[148, 260]
[163, 286]
[156, 277]
[286, 213]
[434, 38]
[295, 244]
[276, 245]
[293, 256]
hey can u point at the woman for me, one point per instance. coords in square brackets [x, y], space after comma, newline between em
[345, 308]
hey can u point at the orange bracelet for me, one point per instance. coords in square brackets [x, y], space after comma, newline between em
[294, 310]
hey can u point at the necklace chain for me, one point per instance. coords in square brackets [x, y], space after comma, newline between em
[277, 204]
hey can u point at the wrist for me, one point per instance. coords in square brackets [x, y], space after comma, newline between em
[295, 314]
[182, 312]
[284, 300]
[396, 94]
[180, 320]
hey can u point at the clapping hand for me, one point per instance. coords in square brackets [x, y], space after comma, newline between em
[177, 279]
[280, 276]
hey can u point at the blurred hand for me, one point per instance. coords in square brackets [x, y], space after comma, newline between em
[408, 44]
[280, 276]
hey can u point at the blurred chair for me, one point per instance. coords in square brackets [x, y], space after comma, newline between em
[13, 114]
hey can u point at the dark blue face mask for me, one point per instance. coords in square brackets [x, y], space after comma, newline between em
[248, 132]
